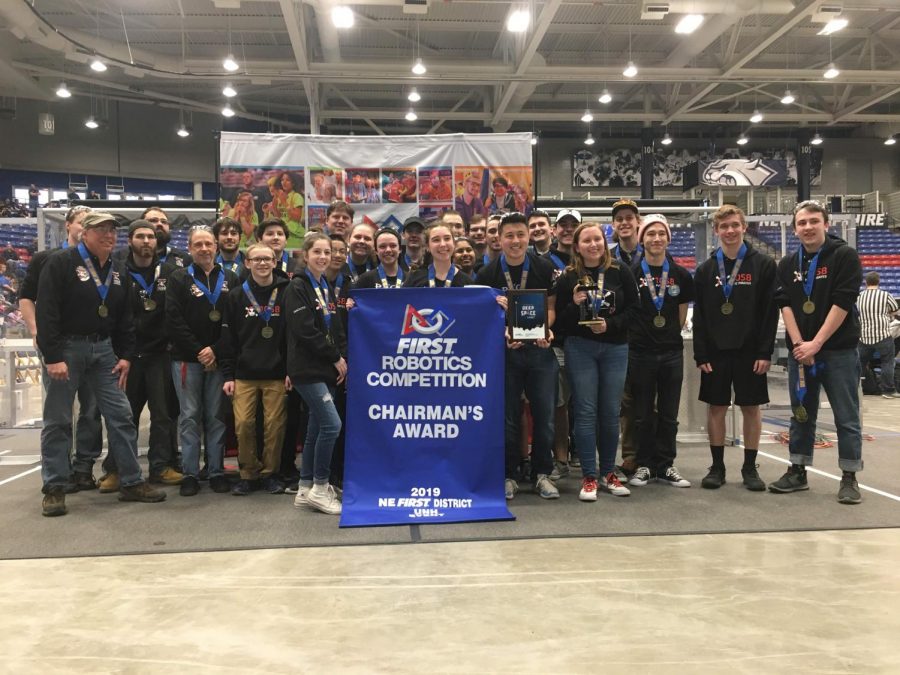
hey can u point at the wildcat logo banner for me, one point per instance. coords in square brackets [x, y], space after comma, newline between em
[425, 408]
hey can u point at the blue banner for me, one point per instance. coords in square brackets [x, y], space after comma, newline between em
[425, 407]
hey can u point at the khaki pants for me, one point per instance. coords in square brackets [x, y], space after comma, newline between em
[245, 395]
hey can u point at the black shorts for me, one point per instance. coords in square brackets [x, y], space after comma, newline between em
[733, 369]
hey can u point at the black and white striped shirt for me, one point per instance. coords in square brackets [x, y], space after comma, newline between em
[875, 310]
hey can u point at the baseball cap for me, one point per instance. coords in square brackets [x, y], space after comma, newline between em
[96, 218]
[625, 204]
[568, 212]
[413, 221]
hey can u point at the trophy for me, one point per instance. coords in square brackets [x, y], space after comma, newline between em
[593, 310]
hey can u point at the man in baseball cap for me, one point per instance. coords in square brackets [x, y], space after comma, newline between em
[626, 221]
[413, 243]
[572, 214]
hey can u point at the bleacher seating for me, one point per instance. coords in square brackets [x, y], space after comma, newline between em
[879, 251]
[683, 248]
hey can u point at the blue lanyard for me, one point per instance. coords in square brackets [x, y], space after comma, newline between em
[139, 278]
[557, 261]
[801, 378]
[658, 298]
[383, 276]
[102, 286]
[264, 314]
[284, 262]
[636, 255]
[486, 260]
[211, 296]
[810, 273]
[447, 282]
[321, 289]
[505, 267]
[231, 265]
[728, 282]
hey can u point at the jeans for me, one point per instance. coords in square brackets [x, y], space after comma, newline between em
[885, 350]
[88, 427]
[840, 379]
[323, 430]
[656, 379]
[245, 415]
[534, 371]
[597, 376]
[89, 363]
[200, 399]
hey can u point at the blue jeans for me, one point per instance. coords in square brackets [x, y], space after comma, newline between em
[89, 363]
[840, 379]
[323, 430]
[656, 380]
[534, 371]
[200, 398]
[885, 350]
[597, 376]
[88, 427]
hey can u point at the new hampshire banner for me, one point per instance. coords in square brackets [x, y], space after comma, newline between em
[424, 408]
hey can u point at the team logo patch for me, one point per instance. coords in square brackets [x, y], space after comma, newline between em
[82, 273]
[116, 280]
[425, 321]
[196, 292]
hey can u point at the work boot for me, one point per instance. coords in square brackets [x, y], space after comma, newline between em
[54, 503]
[142, 492]
[109, 483]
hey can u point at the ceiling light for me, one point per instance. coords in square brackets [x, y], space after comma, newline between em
[419, 68]
[589, 140]
[183, 131]
[630, 70]
[832, 72]
[587, 117]
[91, 123]
[666, 140]
[411, 116]
[230, 64]
[229, 91]
[98, 66]
[518, 21]
[742, 140]
[833, 26]
[890, 140]
[788, 97]
[817, 139]
[414, 96]
[689, 23]
[342, 17]
[534, 139]
[605, 97]
[756, 117]
[63, 91]
[227, 111]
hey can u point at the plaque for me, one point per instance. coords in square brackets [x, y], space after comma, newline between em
[103, 311]
[809, 307]
[526, 315]
[267, 332]
[727, 308]
[215, 315]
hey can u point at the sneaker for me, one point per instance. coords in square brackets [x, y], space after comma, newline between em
[54, 503]
[588, 489]
[888, 395]
[673, 478]
[142, 492]
[244, 487]
[640, 477]
[300, 499]
[272, 485]
[613, 485]
[560, 470]
[169, 476]
[84, 480]
[292, 488]
[714, 479]
[323, 498]
[752, 481]
[793, 480]
[574, 460]
[545, 487]
[511, 487]
[219, 484]
[109, 483]
[189, 486]
[849, 490]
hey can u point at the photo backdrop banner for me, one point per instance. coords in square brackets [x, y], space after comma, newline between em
[385, 178]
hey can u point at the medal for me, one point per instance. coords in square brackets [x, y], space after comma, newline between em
[102, 286]
[149, 305]
[727, 308]
[800, 414]
[809, 307]
[659, 321]
[215, 315]
[149, 302]
[267, 332]
[264, 314]
[103, 311]
[211, 296]
[321, 289]
[658, 298]
[728, 281]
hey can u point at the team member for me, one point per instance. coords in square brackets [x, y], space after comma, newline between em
[596, 354]
[626, 225]
[656, 355]
[441, 273]
[338, 218]
[88, 430]
[195, 301]
[389, 273]
[876, 307]
[735, 319]
[464, 255]
[150, 378]
[85, 332]
[158, 218]
[274, 233]
[413, 243]
[530, 369]
[817, 291]
[254, 365]
[316, 347]
[478, 233]
[492, 242]
[455, 221]
[539, 229]
[227, 232]
[361, 245]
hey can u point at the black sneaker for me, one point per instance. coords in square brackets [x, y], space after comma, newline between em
[54, 503]
[793, 480]
[849, 490]
[244, 487]
[189, 486]
[714, 479]
[752, 481]
[219, 484]
[272, 485]
[83, 480]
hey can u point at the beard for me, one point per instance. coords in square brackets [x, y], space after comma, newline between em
[162, 238]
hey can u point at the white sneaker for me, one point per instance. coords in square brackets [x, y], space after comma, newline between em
[545, 487]
[641, 477]
[588, 489]
[673, 478]
[511, 487]
[300, 500]
[614, 486]
[323, 498]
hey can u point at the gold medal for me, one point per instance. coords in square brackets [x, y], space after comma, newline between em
[215, 315]
[727, 308]
[809, 307]
[659, 321]
[267, 332]
[103, 311]
[149, 305]
[800, 414]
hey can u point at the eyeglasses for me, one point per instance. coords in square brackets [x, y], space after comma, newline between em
[164, 221]
[259, 261]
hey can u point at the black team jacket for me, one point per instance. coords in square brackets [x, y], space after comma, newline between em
[312, 348]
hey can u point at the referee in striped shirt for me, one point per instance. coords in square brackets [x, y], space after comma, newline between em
[876, 307]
